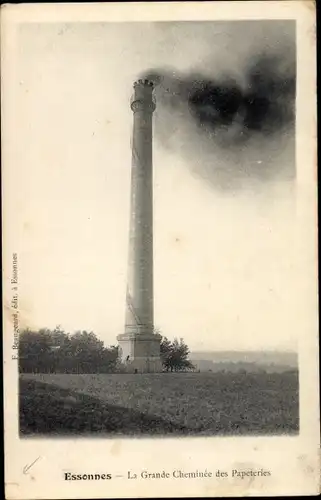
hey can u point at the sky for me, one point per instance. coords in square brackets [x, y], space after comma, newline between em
[224, 258]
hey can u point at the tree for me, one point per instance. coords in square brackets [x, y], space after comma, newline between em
[174, 355]
[166, 353]
[110, 360]
[35, 351]
[55, 351]
[82, 352]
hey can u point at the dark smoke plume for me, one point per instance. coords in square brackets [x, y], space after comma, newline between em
[232, 127]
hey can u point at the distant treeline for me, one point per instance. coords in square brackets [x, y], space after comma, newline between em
[55, 351]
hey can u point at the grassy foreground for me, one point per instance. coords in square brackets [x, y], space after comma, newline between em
[48, 409]
[196, 403]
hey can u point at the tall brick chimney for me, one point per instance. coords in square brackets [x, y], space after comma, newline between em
[139, 345]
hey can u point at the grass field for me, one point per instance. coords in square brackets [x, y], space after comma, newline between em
[195, 403]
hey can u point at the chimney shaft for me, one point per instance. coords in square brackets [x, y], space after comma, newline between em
[140, 293]
[139, 345]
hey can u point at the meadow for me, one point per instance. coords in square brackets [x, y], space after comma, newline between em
[165, 403]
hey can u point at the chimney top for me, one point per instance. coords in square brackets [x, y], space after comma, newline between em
[144, 83]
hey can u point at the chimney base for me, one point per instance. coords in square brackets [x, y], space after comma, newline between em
[140, 353]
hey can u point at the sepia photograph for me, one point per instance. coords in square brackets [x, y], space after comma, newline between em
[160, 250]
[170, 179]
